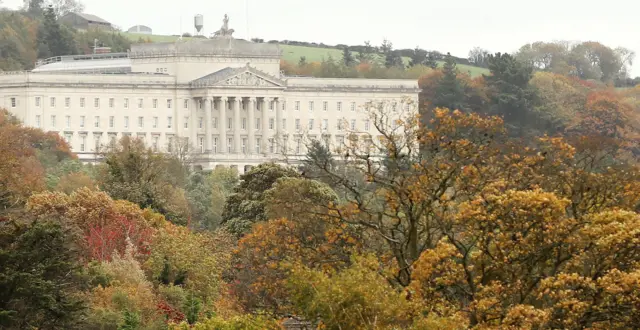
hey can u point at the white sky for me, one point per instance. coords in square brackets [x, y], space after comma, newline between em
[448, 26]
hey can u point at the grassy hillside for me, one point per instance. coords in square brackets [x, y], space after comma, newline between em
[293, 53]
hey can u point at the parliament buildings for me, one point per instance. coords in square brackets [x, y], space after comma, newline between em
[226, 96]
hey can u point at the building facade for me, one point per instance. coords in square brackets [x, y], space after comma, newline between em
[84, 22]
[225, 96]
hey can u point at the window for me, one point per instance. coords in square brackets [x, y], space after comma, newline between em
[83, 141]
[310, 105]
[96, 121]
[170, 144]
[340, 140]
[67, 138]
[284, 124]
[215, 145]
[126, 103]
[325, 106]
[155, 143]
[96, 142]
[52, 102]
[339, 106]
[155, 122]
[244, 146]
[201, 144]
[297, 105]
[67, 102]
[140, 122]
[186, 122]
[67, 121]
[366, 125]
[53, 121]
[229, 144]
[244, 123]
[271, 122]
[112, 102]
[38, 121]
[298, 146]
[214, 122]
[140, 103]
[284, 105]
[169, 103]
[96, 102]
[229, 123]
[339, 125]
[271, 105]
[353, 124]
[38, 101]
[169, 122]
[185, 104]
[325, 124]
[81, 121]
[155, 103]
[310, 124]
[297, 124]
[112, 121]
[353, 106]
[126, 122]
[257, 145]
[13, 102]
[395, 107]
[199, 122]
[257, 123]
[272, 146]
[82, 102]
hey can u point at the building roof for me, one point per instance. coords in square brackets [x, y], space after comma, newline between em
[141, 27]
[206, 47]
[100, 65]
[90, 17]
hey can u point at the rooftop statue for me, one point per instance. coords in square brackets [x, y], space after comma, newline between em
[225, 31]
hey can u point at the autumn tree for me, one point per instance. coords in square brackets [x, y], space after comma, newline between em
[136, 173]
[347, 57]
[54, 39]
[246, 205]
[479, 57]
[419, 56]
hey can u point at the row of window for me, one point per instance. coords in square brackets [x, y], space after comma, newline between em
[322, 125]
[169, 103]
[97, 122]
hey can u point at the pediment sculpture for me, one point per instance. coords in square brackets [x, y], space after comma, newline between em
[247, 79]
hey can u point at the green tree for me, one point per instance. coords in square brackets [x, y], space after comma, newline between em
[303, 61]
[318, 156]
[391, 58]
[450, 91]
[199, 192]
[54, 39]
[508, 84]
[419, 56]
[40, 281]
[347, 57]
[366, 54]
[133, 172]
[246, 205]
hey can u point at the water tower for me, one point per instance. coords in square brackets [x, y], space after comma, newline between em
[198, 22]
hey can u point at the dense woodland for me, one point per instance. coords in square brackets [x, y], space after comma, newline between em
[516, 209]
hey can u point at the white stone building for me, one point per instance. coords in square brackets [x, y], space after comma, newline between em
[226, 96]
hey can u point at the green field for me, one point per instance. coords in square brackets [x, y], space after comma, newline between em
[293, 53]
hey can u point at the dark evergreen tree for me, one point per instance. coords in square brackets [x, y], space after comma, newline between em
[450, 91]
[391, 58]
[347, 57]
[366, 54]
[432, 59]
[40, 283]
[510, 95]
[57, 38]
[317, 161]
[418, 57]
[303, 61]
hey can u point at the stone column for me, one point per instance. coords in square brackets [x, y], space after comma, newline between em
[193, 125]
[207, 124]
[222, 125]
[276, 107]
[236, 125]
[252, 125]
[265, 125]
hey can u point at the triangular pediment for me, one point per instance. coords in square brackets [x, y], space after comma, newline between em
[248, 78]
[239, 77]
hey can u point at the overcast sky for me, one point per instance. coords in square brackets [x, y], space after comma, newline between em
[448, 26]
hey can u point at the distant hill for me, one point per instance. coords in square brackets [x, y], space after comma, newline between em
[292, 53]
